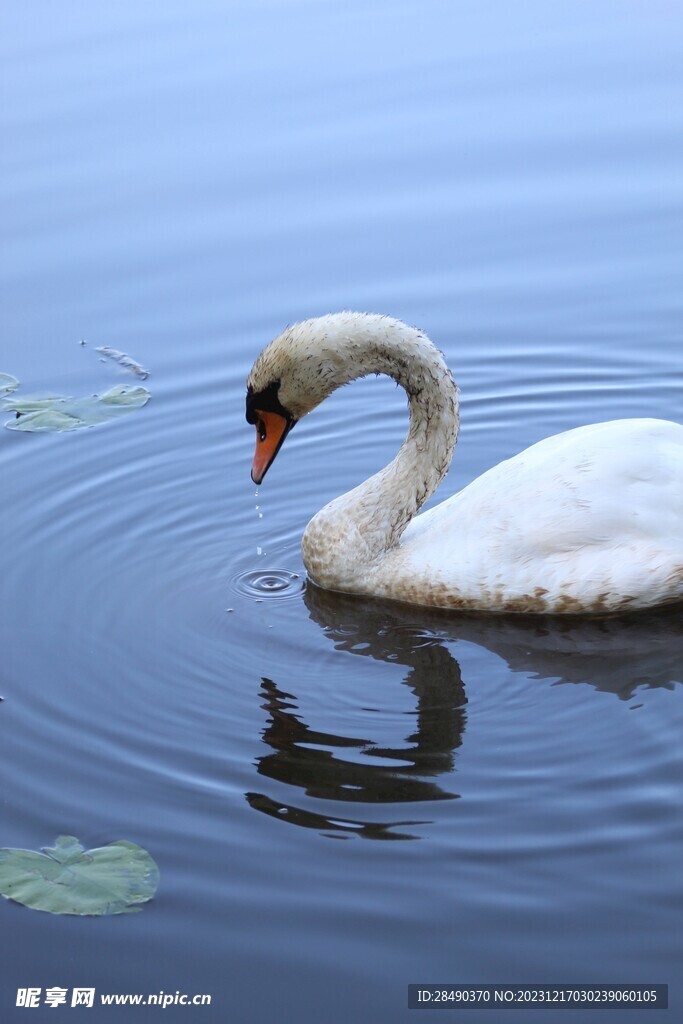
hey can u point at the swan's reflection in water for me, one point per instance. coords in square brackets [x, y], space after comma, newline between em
[316, 762]
[615, 655]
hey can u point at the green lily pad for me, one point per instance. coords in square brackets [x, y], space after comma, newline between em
[126, 396]
[58, 414]
[66, 879]
[8, 383]
[45, 419]
[23, 405]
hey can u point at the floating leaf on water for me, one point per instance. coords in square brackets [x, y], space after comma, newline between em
[123, 360]
[26, 405]
[123, 395]
[7, 383]
[66, 879]
[44, 420]
[58, 414]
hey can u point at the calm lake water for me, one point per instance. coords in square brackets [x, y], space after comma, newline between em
[342, 796]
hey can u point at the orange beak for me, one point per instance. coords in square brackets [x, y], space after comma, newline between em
[271, 430]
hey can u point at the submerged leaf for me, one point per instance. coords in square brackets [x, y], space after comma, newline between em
[124, 360]
[58, 414]
[8, 383]
[66, 879]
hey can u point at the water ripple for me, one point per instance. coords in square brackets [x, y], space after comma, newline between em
[268, 583]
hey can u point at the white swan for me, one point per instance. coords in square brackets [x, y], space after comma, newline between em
[588, 521]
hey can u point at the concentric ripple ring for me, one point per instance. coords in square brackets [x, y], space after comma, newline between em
[268, 583]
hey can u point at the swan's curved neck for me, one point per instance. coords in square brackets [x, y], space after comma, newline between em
[355, 530]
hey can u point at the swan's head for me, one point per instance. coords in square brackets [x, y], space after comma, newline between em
[296, 371]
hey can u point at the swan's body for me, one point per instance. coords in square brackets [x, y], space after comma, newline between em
[587, 521]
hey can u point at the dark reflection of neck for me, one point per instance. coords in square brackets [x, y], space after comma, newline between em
[314, 761]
